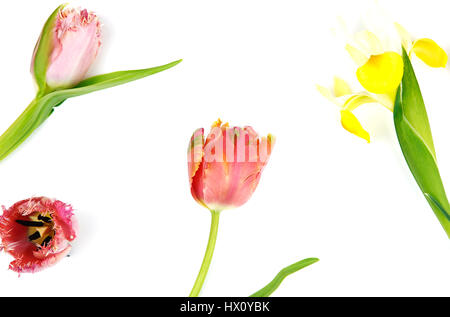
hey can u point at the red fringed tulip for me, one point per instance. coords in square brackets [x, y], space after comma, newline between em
[224, 171]
[74, 43]
[37, 233]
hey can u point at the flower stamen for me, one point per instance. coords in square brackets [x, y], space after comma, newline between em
[40, 232]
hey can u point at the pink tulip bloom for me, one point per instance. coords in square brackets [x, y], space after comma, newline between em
[225, 169]
[75, 44]
[37, 232]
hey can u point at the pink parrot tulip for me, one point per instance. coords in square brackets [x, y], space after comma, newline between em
[225, 169]
[75, 42]
[37, 233]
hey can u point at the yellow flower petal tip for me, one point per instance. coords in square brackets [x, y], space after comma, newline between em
[216, 123]
[219, 124]
[430, 53]
[404, 35]
[370, 42]
[357, 55]
[341, 88]
[382, 73]
[352, 125]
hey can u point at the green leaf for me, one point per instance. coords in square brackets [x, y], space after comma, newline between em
[273, 285]
[43, 49]
[109, 80]
[414, 135]
[42, 107]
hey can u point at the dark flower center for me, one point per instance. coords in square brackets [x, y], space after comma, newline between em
[40, 228]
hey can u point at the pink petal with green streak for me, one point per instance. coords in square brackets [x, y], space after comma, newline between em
[77, 39]
[230, 169]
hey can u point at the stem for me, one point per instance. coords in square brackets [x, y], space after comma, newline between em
[208, 254]
[33, 116]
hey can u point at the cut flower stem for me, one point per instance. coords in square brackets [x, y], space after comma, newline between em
[208, 254]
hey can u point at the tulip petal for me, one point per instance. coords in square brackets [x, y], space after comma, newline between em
[352, 125]
[430, 53]
[195, 153]
[382, 73]
[43, 48]
[76, 44]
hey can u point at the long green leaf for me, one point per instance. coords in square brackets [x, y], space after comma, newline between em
[273, 285]
[42, 107]
[109, 80]
[414, 135]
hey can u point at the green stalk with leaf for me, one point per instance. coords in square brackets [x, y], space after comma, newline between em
[67, 47]
[387, 75]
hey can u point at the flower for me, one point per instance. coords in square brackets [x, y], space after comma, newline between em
[68, 44]
[379, 62]
[37, 232]
[224, 170]
[75, 39]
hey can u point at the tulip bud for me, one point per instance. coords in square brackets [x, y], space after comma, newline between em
[37, 232]
[225, 169]
[67, 47]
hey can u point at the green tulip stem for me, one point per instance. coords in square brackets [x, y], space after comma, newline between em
[21, 128]
[208, 254]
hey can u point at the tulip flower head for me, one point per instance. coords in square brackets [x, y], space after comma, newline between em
[67, 47]
[225, 169]
[37, 233]
[75, 39]
[379, 62]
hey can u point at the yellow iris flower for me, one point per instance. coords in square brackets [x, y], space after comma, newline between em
[379, 71]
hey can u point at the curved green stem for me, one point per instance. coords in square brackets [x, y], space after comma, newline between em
[33, 116]
[208, 254]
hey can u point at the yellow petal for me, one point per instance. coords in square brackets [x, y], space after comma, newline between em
[357, 100]
[352, 125]
[341, 88]
[430, 53]
[363, 98]
[404, 35]
[327, 93]
[382, 73]
[357, 55]
[370, 42]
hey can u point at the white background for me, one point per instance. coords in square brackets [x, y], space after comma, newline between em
[119, 155]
